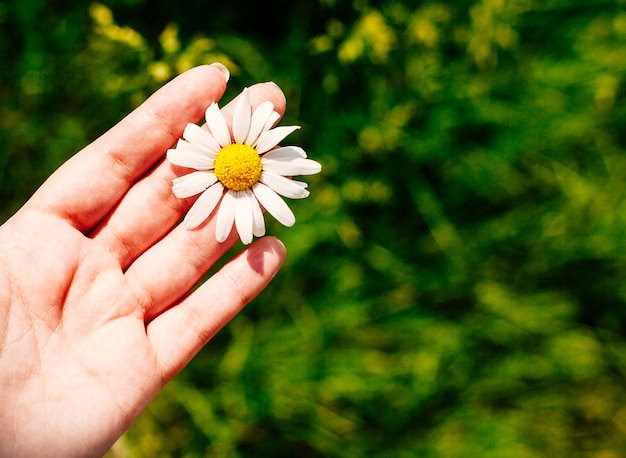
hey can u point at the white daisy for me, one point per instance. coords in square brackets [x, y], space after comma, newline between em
[240, 171]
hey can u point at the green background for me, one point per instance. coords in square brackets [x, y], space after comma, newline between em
[455, 283]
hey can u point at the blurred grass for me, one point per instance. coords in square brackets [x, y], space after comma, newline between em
[455, 282]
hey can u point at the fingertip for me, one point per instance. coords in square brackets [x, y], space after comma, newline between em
[257, 94]
[222, 69]
[214, 76]
[280, 100]
[277, 245]
[266, 256]
[261, 92]
[190, 93]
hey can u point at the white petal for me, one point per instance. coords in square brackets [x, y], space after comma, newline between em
[274, 204]
[271, 138]
[216, 124]
[283, 186]
[273, 119]
[244, 219]
[292, 167]
[202, 208]
[258, 223]
[225, 216]
[286, 152]
[241, 117]
[187, 155]
[192, 184]
[196, 134]
[258, 120]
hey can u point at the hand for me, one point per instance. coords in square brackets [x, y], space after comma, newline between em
[94, 275]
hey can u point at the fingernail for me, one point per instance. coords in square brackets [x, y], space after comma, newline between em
[222, 68]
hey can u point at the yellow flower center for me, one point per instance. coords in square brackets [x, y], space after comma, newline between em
[238, 167]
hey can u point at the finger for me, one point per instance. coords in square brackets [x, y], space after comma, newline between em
[149, 209]
[179, 333]
[88, 185]
[169, 269]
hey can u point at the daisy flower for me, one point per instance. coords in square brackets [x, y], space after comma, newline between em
[242, 172]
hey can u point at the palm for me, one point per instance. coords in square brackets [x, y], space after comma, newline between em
[94, 316]
[83, 366]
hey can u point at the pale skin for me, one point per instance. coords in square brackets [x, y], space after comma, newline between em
[95, 314]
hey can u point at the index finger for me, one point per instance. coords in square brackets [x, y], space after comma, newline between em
[87, 186]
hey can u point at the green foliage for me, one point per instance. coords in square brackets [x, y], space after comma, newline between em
[455, 282]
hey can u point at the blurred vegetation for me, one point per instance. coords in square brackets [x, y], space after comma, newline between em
[455, 284]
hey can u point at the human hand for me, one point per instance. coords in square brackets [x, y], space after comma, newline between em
[94, 274]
